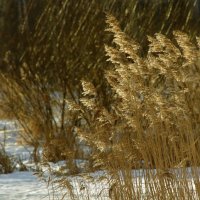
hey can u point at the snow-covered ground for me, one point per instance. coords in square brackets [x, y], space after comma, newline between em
[18, 185]
[26, 186]
[22, 186]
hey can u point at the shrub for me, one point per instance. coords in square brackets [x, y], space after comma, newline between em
[7, 164]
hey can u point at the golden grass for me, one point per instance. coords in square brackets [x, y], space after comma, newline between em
[152, 123]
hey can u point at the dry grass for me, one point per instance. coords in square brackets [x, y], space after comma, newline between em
[150, 120]
[153, 122]
[7, 162]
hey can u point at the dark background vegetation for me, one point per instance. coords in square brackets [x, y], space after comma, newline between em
[48, 46]
[78, 26]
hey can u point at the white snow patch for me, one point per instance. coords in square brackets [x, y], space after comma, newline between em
[23, 186]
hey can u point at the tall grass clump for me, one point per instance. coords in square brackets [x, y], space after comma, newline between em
[148, 138]
[7, 162]
[56, 46]
[143, 114]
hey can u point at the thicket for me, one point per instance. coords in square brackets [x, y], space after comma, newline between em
[145, 110]
[51, 47]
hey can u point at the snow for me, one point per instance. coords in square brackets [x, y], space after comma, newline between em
[26, 186]
[23, 186]
[19, 185]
